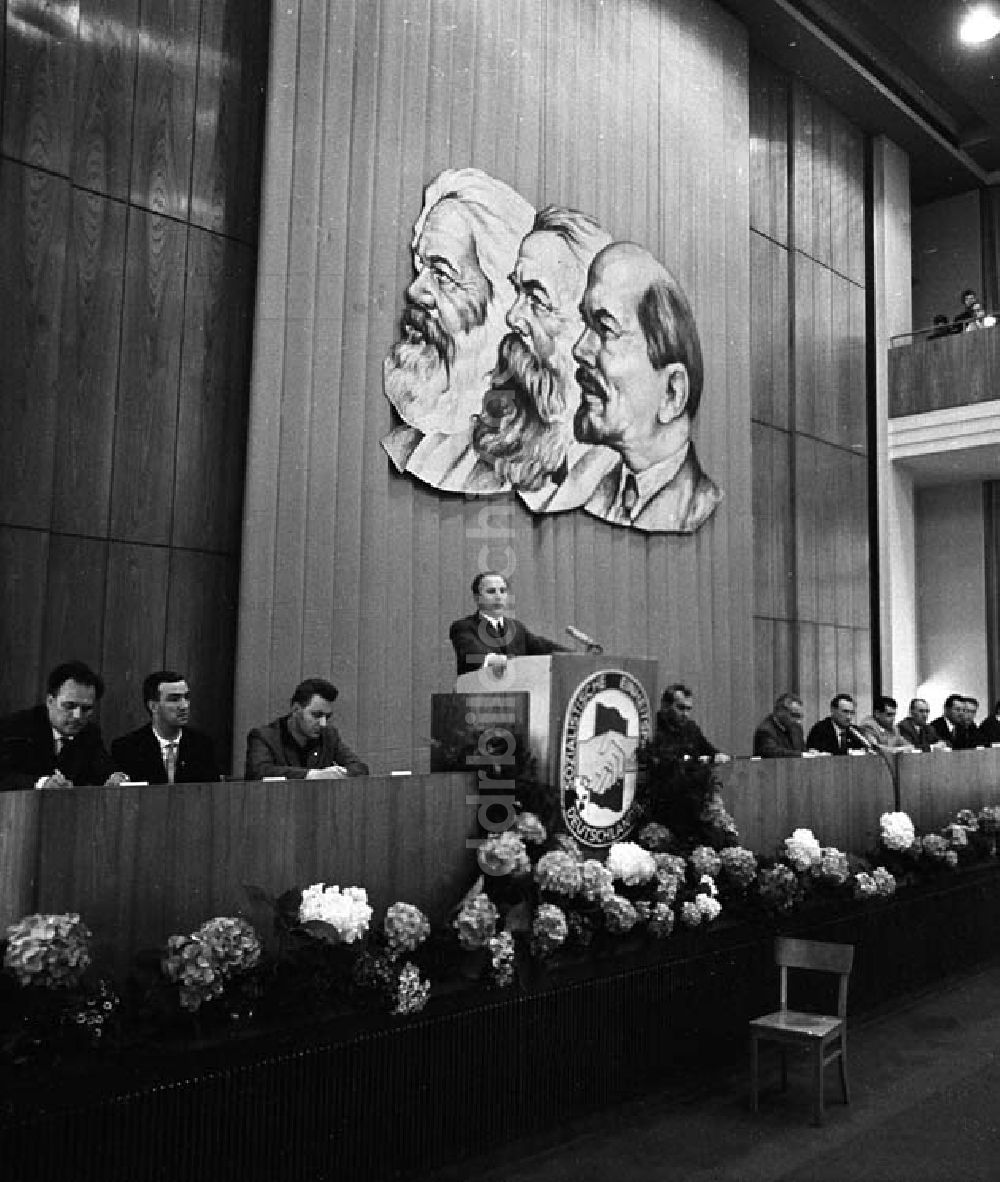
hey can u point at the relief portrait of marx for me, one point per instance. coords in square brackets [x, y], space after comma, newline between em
[538, 355]
[465, 245]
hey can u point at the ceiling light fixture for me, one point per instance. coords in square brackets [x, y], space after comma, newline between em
[978, 25]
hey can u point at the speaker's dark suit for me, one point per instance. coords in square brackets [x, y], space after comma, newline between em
[961, 737]
[823, 737]
[138, 755]
[27, 752]
[475, 637]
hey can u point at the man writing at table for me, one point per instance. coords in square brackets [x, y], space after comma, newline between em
[303, 744]
[166, 750]
[58, 744]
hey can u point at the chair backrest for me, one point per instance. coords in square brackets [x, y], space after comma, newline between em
[818, 956]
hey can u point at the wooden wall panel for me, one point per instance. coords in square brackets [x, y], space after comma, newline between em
[74, 593]
[214, 375]
[769, 104]
[163, 128]
[39, 83]
[24, 555]
[19, 813]
[769, 312]
[773, 523]
[146, 416]
[358, 572]
[34, 223]
[229, 111]
[126, 361]
[105, 96]
[201, 609]
[88, 364]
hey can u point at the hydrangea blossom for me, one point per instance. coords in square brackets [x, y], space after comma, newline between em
[661, 921]
[503, 853]
[529, 828]
[896, 831]
[671, 864]
[690, 915]
[738, 866]
[885, 882]
[203, 962]
[708, 907]
[501, 950]
[865, 886]
[548, 928]
[596, 881]
[802, 849]
[667, 885]
[956, 835]
[655, 837]
[936, 848]
[619, 914]
[779, 887]
[51, 950]
[412, 990]
[704, 860]
[556, 871]
[476, 922]
[345, 913]
[631, 863]
[832, 866]
[406, 927]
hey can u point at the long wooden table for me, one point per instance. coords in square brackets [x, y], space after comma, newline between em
[141, 863]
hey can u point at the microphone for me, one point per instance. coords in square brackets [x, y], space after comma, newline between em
[583, 638]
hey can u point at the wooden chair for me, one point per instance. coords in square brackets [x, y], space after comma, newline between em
[825, 1035]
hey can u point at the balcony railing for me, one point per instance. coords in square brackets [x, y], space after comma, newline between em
[929, 372]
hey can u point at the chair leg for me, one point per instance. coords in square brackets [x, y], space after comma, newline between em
[819, 1065]
[843, 1067]
[753, 1073]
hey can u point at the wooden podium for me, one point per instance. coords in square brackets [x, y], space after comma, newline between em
[587, 715]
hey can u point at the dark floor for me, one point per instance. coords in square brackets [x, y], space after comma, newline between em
[925, 1107]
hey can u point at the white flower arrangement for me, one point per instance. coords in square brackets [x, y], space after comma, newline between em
[885, 882]
[896, 831]
[503, 853]
[406, 928]
[802, 849]
[708, 908]
[345, 913]
[832, 866]
[596, 882]
[630, 863]
[704, 860]
[558, 872]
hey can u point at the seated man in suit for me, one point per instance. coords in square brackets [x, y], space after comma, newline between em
[678, 736]
[304, 744]
[952, 728]
[837, 735]
[166, 750]
[58, 744]
[490, 635]
[988, 732]
[779, 736]
[880, 725]
[915, 728]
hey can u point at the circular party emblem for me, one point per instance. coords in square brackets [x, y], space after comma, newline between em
[607, 720]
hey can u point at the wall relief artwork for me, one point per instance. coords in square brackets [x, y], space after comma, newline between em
[537, 355]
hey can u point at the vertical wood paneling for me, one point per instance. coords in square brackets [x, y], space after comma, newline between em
[39, 88]
[769, 310]
[146, 418]
[23, 559]
[215, 371]
[34, 223]
[232, 66]
[18, 846]
[75, 587]
[165, 106]
[105, 96]
[134, 628]
[85, 415]
[372, 566]
[768, 151]
[88, 364]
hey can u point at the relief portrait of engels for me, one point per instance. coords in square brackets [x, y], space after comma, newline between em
[539, 356]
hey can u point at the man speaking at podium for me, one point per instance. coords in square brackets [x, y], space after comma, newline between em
[491, 634]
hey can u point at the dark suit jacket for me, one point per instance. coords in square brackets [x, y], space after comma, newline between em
[138, 755]
[961, 738]
[772, 741]
[679, 740]
[823, 737]
[921, 735]
[474, 638]
[27, 752]
[989, 731]
[271, 751]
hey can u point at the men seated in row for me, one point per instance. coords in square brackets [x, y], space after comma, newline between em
[678, 736]
[303, 744]
[956, 727]
[491, 634]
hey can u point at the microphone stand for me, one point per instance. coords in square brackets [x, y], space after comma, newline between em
[891, 766]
